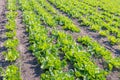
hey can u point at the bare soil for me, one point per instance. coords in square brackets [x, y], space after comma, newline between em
[114, 75]
[30, 69]
[3, 20]
[2, 27]
[2, 31]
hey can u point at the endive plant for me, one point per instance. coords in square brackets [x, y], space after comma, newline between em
[12, 73]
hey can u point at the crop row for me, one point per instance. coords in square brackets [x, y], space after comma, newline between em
[12, 71]
[47, 51]
[54, 19]
[48, 48]
[107, 25]
[97, 49]
[104, 6]
[12, 42]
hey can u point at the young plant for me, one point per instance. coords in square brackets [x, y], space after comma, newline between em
[95, 27]
[104, 33]
[10, 34]
[12, 73]
[11, 43]
[11, 55]
[113, 40]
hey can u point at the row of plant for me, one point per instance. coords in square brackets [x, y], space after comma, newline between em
[12, 42]
[53, 19]
[104, 6]
[11, 5]
[12, 72]
[107, 55]
[92, 17]
[98, 51]
[60, 19]
[48, 48]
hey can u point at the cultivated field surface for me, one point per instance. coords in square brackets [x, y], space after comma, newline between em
[59, 39]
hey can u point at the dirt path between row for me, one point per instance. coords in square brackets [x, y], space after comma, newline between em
[3, 21]
[30, 69]
[2, 27]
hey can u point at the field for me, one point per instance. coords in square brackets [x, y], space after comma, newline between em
[59, 39]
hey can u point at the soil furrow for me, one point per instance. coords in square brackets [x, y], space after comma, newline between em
[2, 31]
[3, 63]
[30, 69]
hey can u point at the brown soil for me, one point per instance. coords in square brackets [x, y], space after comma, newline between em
[3, 63]
[2, 31]
[114, 75]
[30, 70]
[2, 26]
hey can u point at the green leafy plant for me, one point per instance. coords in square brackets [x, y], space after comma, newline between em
[104, 33]
[112, 40]
[11, 43]
[58, 75]
[11, 5]
[10, 34]
[1, 70]
[11, 25]
[115, 62]
[11, 55]
[95, 27]
[85, 40]
[12, 73]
